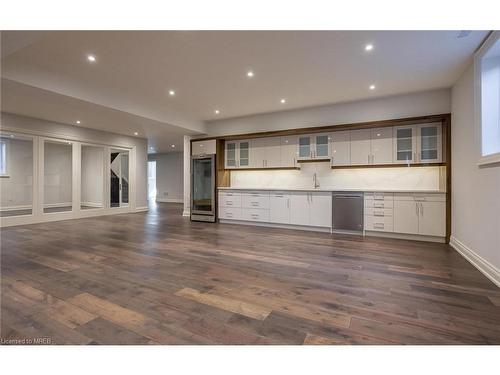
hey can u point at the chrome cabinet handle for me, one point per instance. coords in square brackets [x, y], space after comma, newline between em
[422, 209]
[378, 213]
[378, 205]
[378, 225]
[416, 208]
[288, 203]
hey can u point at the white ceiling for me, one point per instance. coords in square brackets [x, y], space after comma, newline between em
[127, 87]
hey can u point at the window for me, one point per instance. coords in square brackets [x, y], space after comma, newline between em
[488, 98]
[3, 158]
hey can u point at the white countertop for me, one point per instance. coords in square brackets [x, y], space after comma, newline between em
[331, 190]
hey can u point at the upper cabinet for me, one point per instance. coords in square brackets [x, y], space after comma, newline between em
[207, 147]
[237, 154]
[315, 146]
[389, 145]
[417, 144]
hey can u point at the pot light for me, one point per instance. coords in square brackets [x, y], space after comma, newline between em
[171, 92]
[78, 122]
[372, 87]
[135, 133]
[91, 58]
[216, 111]
[249, 74]
[173, 146]
[12, 135]
[283, 101]
[368, 47]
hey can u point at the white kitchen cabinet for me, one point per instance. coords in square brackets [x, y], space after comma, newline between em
[341, 148]
[207, 147]
[299, 208]
[432, 221]
[255, 214]
[381, 146]
[258, 147]
[314, 146]
[404, 144]
[361, 147]
[279, 208]
[320, 209]
[265, 152]
[288, 151]
[429, 143]
[237, 154]
[405, 216]
[255, 199]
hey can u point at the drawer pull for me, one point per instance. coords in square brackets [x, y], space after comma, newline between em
[255, 204]
[255, 216]
[228, 214]
[229, 203]
[378, 226]
[378, 213]
[378, 205]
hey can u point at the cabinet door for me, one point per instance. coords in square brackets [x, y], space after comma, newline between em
[404, 144]
[405, 216]
[279, 208]
[258, 152]
[341, 148]
[273, 153]
[320, 209]
[243, 154]
[429, 143]
[360, 147]
[203, 147]
[321, 146]
[432, 221]
[299, 208]
[381, 143]
[288, 152]
[230, 155]
[305, 150]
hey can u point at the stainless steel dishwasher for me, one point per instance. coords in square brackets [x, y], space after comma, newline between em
[347, 212]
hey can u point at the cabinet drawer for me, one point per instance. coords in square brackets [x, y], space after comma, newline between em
[255, 214]
[379, 212]
[420, 197]
[379, 196]
[255, 201]
[229, 213]
[230, 200]
[381, 224]
[379, 204]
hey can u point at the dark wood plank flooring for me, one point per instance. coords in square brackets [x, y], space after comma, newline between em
[157, 278]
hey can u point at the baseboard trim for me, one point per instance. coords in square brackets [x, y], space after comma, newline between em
[186, 213]
[57, 205]
[92, 204]
[404, 236]
[274, 225]
[141, 209]
[16, 208]
[485, 267]
[170, 200]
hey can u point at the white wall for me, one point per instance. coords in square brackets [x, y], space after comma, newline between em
[400, 106]
[404, 178]
[16, 190]
[475, 190]
[57, 187]
[78, 133]
[92, 175]
[169, 176]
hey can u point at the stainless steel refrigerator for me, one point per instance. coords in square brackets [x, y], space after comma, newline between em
[203, 188]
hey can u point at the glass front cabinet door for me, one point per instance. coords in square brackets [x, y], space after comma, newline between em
[322, 145]
[429, 143]
[244, 151]
[230, 154]
[305, 151]
[405, 144]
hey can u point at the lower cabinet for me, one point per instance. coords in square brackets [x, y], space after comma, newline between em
[279, 208]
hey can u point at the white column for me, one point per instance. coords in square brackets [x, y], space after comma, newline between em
[187, 176]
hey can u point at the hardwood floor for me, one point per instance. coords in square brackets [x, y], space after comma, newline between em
[157, 278]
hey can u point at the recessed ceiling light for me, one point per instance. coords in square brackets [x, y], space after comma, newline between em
[78, 122]
[135, 133]
[91, 58]
[216, 111]
[249, 74]
[368, 47]
[283, 101]
[151, 148]
[171, 92]
[372, 87]
[12, 135]
[173, 146]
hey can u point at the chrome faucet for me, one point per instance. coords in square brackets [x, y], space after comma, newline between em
[315, 180]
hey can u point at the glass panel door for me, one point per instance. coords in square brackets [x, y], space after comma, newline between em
[203, 186]
[16, 175]
[304, 147]
[119, 178]
[231, 154]
[430, 139]
[404, 145]
[57, 176]
[92, 177]
[244, 154]
[321, 146]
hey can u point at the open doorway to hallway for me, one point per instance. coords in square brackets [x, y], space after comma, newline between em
[151, 181]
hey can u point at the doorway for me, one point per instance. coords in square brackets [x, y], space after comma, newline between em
[152, 181]
[119, 178]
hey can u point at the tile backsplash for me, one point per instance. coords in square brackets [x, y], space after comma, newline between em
[404, 178]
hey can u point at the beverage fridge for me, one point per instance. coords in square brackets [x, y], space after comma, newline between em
[203, 188]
